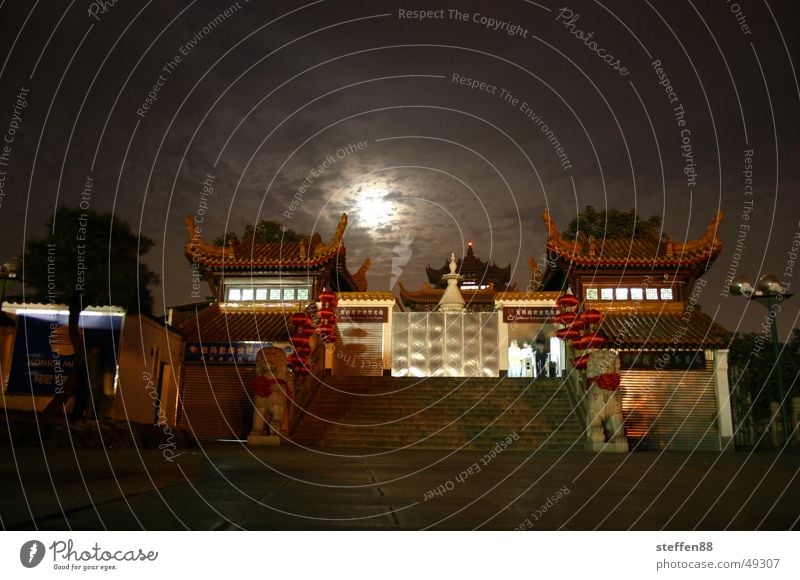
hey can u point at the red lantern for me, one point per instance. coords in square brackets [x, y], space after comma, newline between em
[327, 298]
[307, 331]
[592, 316]
[581, 343]
[577, 324]
[567, 334]
[299, 340]
[301, 369]
[580, 362]
[567, 301]
[594, 341]
[300, 319]
[302, 351]
[293, 360]
[565, 317]
[326, 314]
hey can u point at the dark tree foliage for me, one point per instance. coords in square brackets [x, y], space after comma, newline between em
[612, 225]
[265, 231]
[93, 259]
[87, 259]
[751, 368]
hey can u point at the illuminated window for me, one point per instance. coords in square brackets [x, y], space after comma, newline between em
[288, 294]
[261, 294]
[274, 293]
[591, 294]
[622, 293]
[247, 293]
[666, 293]
[234, 294]
[637, 293]
[302, 293]
[607, 293]
[651, 293]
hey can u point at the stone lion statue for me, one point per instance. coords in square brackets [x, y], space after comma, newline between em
[270, 389]
[604, 420]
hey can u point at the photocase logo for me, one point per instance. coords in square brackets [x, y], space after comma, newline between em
[32, 553]
[401, 256]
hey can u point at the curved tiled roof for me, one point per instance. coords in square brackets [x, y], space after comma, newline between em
[252, 255]
[632, 253]
[215, 324]
[676, 330]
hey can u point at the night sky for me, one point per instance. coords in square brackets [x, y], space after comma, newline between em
[459, 124]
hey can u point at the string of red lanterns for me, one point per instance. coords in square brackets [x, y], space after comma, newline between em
[580, 329]
[304, 327]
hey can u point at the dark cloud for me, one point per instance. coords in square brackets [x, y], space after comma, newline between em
[259, 105]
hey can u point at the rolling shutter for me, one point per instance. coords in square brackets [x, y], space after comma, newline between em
[670, 409]
[359, 349]
[214, 400]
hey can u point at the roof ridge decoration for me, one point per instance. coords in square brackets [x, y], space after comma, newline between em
[313, 250]
[360, 277]
[554, 236]
[196, 244]
[336, 239]
[593, 249]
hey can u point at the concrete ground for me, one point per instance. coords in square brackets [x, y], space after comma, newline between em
[227, 486]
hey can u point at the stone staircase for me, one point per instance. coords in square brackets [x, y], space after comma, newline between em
[440, 413]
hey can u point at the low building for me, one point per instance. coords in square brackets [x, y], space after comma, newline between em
[133, 359]
[674, 389]
[257, 287]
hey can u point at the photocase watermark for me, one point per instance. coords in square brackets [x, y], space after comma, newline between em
[206, 191]
[168, 448]
[537, 514]
[99, 7]
[568, 18]
[401, 254]
[81, 236]
[6, 147]
[32, 553]
[692, 305]
[679, 114]
[493, 24]
[473, 469]
[791, 260]
[320, 170]
[183, 51]
[67, 557]
[358, 362]
[740, 16]
[522, 106]
[744, 227]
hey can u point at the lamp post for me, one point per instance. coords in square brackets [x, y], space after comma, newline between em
[8, 271]
[768, 291]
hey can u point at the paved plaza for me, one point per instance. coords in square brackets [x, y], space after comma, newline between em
[228, 486]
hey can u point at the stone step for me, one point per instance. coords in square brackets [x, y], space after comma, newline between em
[439, 413]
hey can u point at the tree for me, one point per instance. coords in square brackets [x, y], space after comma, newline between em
[264, 231]
[88, 259]
[751, 368]
[612, 225]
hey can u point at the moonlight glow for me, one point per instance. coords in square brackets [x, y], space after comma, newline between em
[373, 209]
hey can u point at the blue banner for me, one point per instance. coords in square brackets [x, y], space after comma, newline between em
[44, 357]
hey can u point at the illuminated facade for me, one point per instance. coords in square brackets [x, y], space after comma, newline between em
[674, 371]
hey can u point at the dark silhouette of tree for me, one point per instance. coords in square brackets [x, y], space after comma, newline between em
[752, 368]
[87, 259]
[612, 225]
[264, 231]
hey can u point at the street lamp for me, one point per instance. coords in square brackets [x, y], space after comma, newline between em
[8, 271]
[768, 291]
